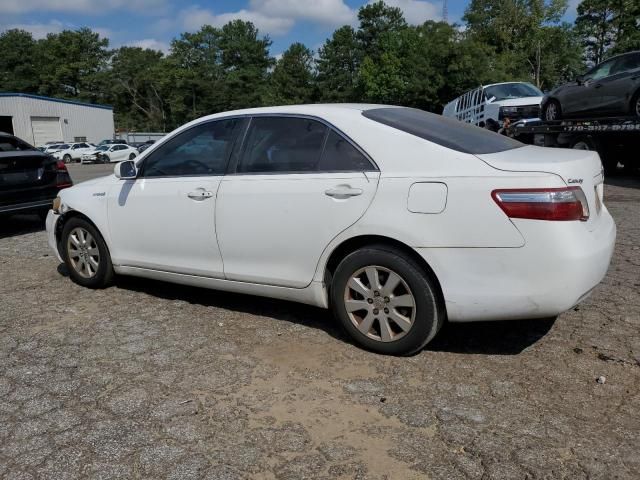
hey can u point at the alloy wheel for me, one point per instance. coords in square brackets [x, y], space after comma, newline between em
[379, 303]
[83, 252]
[551, 112]
[638, 106]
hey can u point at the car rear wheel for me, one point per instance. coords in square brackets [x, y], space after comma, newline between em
[66, 158]
[385, 301]
[552, 111]
[85, 254]
[132, 156]
[635, 105]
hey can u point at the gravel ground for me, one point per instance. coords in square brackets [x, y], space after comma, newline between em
[151, 380]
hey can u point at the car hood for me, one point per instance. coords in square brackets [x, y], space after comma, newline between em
[518, 102]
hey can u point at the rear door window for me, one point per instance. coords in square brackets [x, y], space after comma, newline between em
[340, 155]
[282, 145]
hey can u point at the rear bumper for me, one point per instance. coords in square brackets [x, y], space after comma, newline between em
[51, 225]
[26, 206]
[552, 273]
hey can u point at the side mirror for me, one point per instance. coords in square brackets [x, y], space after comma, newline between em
[126, 170]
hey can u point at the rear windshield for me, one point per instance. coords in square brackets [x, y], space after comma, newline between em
[12, 144]
[448, 132]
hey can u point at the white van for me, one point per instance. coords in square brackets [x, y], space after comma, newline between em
[512, 100]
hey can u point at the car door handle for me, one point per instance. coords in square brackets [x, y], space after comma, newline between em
[343, 191]
[200, 194]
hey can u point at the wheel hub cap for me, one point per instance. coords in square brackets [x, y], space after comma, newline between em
[83, 252]
[380, 303]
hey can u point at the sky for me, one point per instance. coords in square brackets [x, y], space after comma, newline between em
[154, 23]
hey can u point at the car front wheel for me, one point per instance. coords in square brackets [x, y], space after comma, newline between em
[86, 254]
[385, 301]
[66, 158]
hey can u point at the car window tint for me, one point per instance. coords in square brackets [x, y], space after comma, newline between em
[444, 131]
[627, 63]
[201, 150]
[282, 144]
[601, 70]
[340, 155]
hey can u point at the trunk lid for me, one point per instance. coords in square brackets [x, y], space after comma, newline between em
[577, 168]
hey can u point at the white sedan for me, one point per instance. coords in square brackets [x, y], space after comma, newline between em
[116, 152]
[68, 152]
[394, 218]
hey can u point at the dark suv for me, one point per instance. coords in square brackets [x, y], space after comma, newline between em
[29, 178]
[610, 88]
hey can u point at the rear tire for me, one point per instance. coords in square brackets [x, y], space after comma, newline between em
[388, 319]
[66, 158]
[552, 111]
[86, 254]
[635, 104]
[132, 156]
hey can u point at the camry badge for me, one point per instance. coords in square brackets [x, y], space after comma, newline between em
[574, 180]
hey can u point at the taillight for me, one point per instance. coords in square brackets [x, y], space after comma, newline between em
[563, 204]
[63, 180]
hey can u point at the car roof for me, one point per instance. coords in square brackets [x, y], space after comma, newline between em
[503, 83]
[619, 55]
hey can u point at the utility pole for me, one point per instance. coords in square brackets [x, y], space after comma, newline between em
[445, 12]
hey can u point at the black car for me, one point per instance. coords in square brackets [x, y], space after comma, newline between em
[143, 146]
[611, 88]
[29, 178]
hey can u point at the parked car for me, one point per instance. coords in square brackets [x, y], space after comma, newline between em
[54, 147]
[111, 141]
[73, 151]
[395, 218]
[610, 88]
[109, 153]
[29, 178]
[492, 104]
[145, 145]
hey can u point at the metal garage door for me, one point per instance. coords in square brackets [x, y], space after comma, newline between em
[46, 129]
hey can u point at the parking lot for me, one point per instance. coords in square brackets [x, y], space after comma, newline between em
[152, 380]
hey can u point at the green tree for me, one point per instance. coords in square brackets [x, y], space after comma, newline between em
[193, 75]
[71, 63]
[135, 89]
[338, 65]
[245, 63]
[18, 62]
[293, 78]
[376, 20]
[595, 25]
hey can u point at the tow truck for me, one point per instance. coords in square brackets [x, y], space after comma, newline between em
[616, 139]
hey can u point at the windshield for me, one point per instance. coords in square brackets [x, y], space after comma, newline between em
[512, 90]
[102, 148]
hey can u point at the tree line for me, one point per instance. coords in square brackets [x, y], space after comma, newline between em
[382, 60]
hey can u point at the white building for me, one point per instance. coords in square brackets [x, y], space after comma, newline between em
[38, 120]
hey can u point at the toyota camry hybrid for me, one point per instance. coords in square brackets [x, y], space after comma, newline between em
[394, 218]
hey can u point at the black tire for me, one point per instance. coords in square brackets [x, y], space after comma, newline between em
[585, 142]
[546, 112]
[428, 315]
[635, 104]
[66, 158]
[104, 273]
[105, 159]
[132, 156]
